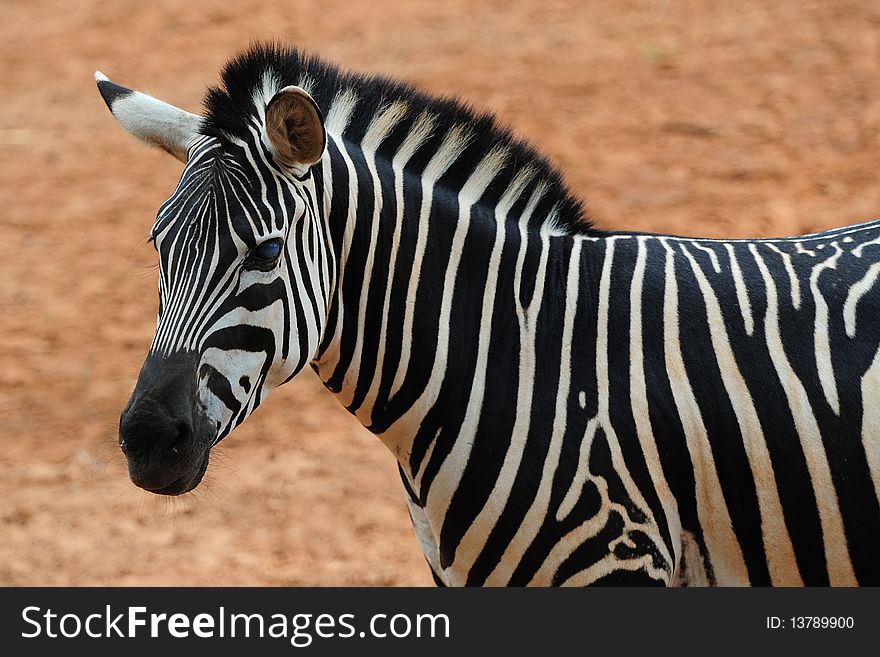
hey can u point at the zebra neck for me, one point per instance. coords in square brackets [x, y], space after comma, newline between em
[438, 295]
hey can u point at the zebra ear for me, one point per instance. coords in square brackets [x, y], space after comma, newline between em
[295, 129]
[150, 120]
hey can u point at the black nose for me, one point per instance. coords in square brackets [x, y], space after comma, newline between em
[149, 426]
[157, 429]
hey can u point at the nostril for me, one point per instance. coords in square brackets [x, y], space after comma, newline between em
[184, 431]
[131, 450]
[145, 436]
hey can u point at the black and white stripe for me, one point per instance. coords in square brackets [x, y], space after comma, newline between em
[567, 406]
[230, 198]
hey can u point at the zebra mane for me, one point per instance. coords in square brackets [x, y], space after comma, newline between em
[230, 108]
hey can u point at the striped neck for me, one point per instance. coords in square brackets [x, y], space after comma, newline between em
[418, 244]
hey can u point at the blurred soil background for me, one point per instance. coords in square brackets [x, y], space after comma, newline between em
[694, 117]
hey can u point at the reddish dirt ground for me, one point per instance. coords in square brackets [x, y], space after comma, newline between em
[673, 116]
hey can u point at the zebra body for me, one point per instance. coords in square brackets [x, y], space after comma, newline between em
[697, 384]
[567, 406]
[705, 408]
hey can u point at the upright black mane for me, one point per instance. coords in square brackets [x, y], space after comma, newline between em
[229, 109]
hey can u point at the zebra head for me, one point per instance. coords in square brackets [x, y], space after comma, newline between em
[242, 276]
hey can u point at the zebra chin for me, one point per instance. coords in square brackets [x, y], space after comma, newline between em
[163, 431]
[190, 478]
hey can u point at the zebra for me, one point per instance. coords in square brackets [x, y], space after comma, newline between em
[567, 405]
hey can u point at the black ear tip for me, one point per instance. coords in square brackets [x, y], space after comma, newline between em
[110, 91]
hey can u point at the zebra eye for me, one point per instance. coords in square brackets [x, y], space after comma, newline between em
[268, 250]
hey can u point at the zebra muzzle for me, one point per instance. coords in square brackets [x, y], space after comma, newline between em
[163, 431]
